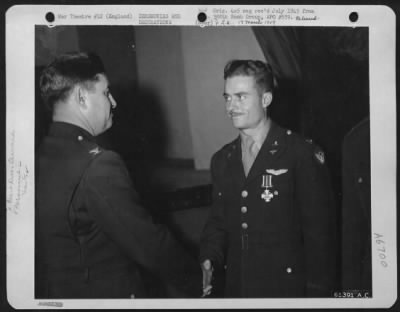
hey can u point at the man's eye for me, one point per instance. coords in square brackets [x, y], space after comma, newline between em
[227, 98]
[242, 97]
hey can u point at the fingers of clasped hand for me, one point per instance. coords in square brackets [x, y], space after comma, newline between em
[207, 270]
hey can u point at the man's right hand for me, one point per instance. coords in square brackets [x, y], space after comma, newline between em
[207, 269]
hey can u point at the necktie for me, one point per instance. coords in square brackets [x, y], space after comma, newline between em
[249, 154]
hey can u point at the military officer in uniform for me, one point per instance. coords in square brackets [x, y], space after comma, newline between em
[93, 238]
[272, 224]
[356, 211]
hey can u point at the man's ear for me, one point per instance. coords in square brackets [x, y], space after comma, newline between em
[266, 99]
[81, 97]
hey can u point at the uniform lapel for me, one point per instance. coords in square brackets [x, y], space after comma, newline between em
[270, 151]
[235, 165]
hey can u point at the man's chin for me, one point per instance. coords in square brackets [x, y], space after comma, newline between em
[237, 125]
[105, 128]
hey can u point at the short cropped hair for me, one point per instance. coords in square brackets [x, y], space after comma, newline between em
[262, 72]
[58, 79]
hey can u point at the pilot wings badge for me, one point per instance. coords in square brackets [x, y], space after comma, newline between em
[276, 172]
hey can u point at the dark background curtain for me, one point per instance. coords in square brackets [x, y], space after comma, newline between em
[282, 49]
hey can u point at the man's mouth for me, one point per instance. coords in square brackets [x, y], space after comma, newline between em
[235, 114]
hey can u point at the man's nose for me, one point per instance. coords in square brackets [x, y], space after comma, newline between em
[232, 104]
[113, 102]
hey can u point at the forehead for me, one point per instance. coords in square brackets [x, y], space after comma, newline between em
[99, 84]
[102, 80]
[240, 84]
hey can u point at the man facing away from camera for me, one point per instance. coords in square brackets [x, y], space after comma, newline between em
[93, 238]
[271, 225]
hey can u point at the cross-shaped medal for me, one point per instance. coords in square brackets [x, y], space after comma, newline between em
[267, 195]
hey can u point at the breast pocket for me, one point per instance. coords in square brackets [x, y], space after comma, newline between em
[276, 196]
[281, 182]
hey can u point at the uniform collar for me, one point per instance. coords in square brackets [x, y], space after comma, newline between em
[259, 138]
[271, 140]
[67, 130]
[274, 138]
[273, 146]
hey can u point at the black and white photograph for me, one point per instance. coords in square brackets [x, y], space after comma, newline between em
[207, 153]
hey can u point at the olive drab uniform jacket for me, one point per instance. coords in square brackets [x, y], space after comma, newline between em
[92, 237]
[356, 210]
[274, 230]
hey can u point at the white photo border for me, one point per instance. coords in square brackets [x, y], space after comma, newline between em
[20, 125]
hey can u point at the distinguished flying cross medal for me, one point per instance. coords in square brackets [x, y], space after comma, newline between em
[267, 195]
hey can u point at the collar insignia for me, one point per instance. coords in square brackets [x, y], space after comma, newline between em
[95, 151]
